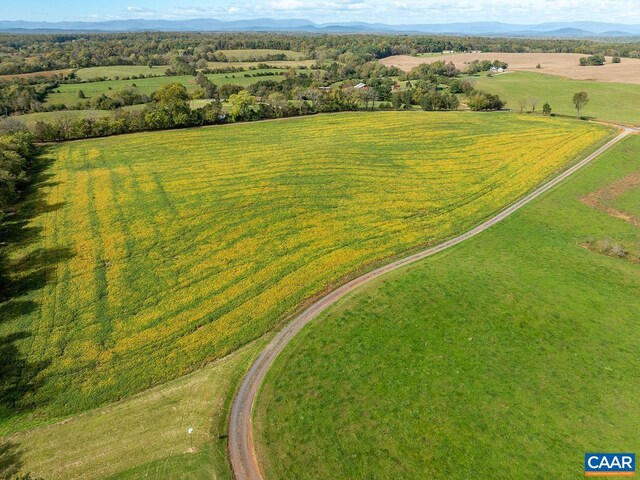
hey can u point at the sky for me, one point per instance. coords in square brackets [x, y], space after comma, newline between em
[385, 11]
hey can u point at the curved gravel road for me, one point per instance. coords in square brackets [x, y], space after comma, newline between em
[241, 446]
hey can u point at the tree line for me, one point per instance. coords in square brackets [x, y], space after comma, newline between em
[16, 152]
[432, 86]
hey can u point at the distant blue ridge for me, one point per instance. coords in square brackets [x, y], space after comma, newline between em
[556, 29]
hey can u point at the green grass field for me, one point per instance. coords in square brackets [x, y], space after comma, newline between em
[628, 201]
[249, 53]
[614, 102]
[120, 71]
[271, 63]
[141, 258]
[508, 356]
[69, 92]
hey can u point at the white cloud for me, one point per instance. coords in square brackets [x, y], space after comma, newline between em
[397, 11]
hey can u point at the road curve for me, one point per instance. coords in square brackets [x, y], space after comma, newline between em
[241, 446]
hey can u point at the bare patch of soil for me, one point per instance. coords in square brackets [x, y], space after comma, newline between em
[601, 199]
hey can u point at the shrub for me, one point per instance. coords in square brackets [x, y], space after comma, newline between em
[479, 100]
[593, 60]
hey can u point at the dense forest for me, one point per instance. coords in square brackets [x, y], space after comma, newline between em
[32, 53]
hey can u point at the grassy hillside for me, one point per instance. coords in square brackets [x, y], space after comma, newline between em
[145, 436]
[508, 356]
[614, 102]
[140, 258]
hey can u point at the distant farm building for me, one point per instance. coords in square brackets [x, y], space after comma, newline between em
[496, 70]
[360, 86]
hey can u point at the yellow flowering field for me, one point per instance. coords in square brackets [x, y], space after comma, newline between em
[142, 257]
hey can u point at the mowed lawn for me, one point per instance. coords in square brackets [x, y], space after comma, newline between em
[68, 94]
[140, 258]
[613, 102]
[508, 356]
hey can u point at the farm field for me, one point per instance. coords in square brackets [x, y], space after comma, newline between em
[45, 74]
[614, 102]
[144, 436]
[143, 257]
[514, 352]
[69, 92]
[561, 64]
[120, 71]
[271, 63]
[249, 53]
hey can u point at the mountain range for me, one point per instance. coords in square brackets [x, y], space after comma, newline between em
[556, 29]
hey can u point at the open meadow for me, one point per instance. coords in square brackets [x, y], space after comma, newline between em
[613, 102]
[44, 74]
[140, 258]
[271, 63]
[111, 72]
[252, 53]
[506, 356]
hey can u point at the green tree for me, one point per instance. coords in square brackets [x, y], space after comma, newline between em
[81, 94]
[546, 109]
[171, 106]
[580, 99]
[240, 105]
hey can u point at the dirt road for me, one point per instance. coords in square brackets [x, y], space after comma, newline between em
[241, 446]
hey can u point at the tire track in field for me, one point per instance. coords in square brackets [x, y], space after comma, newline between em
[241, 446]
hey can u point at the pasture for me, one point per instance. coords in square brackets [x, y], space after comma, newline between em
[508, 356]
[613, 102]
[251, 53]
[43, 74]
[561, 64]
[111, 72]
[141, 258]
[68, 93]
[271, 63]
